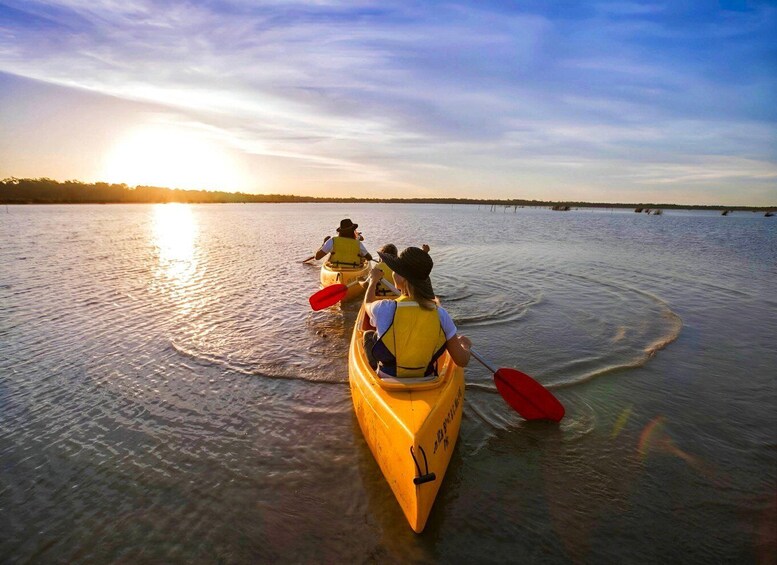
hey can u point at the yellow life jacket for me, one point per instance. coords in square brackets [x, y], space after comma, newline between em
[412, 343]
[345, 252]
[388, 274]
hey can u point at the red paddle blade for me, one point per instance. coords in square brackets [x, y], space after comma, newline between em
[328, 296]
[528, 397]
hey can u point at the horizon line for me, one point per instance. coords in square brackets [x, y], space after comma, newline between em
[291, 198]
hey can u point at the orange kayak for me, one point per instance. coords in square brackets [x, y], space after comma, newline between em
[410, 425]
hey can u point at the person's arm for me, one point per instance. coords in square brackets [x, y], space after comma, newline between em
[364, 253]
[458, 346]
[372, 284]
[320, 253]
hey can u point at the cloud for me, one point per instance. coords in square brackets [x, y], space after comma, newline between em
[383, 91]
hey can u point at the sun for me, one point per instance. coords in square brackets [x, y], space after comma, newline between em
[172, 157]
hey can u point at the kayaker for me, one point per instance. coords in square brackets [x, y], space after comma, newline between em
[345, 249]
[413, 330]
[388, 274]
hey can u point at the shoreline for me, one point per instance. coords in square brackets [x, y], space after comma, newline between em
[14, 191]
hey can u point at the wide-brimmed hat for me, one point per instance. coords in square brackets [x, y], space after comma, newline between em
[415, 265]
[347, 225]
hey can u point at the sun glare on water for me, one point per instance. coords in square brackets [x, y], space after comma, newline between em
[171, 157]
[174, 232]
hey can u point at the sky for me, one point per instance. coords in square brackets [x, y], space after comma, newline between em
[604, 101]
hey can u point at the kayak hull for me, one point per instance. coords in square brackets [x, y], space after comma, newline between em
[330, 275]
[410, 425]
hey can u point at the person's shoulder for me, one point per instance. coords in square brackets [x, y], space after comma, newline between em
[442, 311]
[379, 308]
[384, 304]
[447, 323]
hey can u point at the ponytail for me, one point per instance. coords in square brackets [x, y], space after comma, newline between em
[424, 300]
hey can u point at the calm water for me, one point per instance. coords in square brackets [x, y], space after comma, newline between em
[166, 394]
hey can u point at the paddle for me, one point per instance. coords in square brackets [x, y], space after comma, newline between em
[334, 293]
[330, 295]
[525, 395]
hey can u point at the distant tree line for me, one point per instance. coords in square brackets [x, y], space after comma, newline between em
[49, 191]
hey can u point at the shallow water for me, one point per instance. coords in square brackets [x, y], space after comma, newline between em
[166, 394]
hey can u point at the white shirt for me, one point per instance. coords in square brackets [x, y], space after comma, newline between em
[381, 313]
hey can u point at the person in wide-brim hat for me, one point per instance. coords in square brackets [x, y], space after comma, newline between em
[414, 265]
[344, 251]
[431, 327]
[348, 229]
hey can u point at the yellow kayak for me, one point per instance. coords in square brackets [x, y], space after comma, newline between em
[411, 425]
[330, 276]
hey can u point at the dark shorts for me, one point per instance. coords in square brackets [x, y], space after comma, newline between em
[370, 339]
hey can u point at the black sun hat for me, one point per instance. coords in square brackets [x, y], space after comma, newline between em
[347, 225]
[415, 265]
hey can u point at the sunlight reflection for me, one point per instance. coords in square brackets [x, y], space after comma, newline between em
[174, 232]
